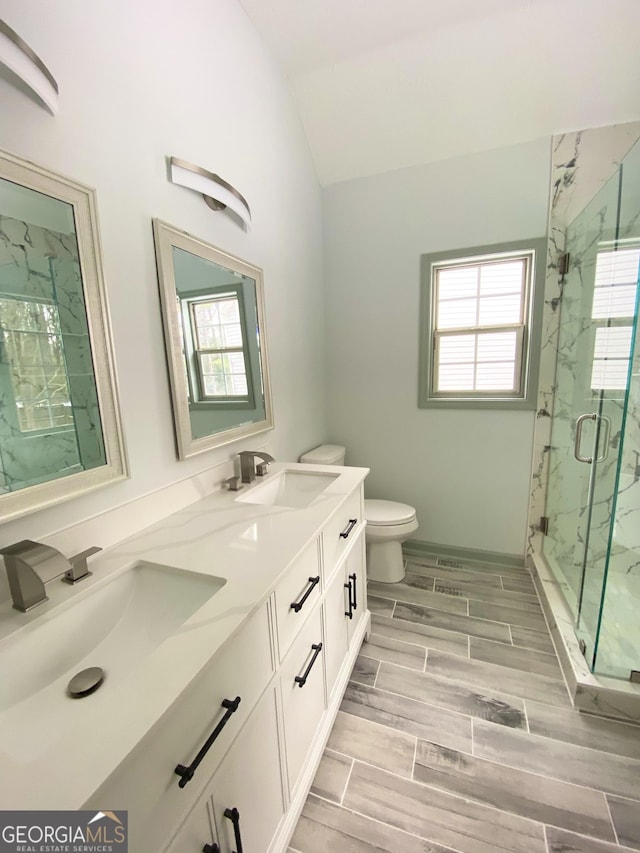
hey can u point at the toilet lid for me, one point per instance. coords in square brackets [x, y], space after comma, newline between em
[383, 513]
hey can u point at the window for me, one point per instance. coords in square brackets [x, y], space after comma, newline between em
[477, 322]
[214, 342]
[32, 340]
[613, 311]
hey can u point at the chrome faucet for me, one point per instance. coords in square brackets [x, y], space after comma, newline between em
[247, 469]
[31, 565]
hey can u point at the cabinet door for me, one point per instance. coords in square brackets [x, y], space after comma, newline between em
[302, 697]
[196, 832]
[336, 606]
[356, 576]
[247, 787]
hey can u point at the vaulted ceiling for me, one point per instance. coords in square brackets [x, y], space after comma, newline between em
[386, 84]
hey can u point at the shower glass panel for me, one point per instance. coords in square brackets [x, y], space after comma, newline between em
[599, 306]
[618, 637]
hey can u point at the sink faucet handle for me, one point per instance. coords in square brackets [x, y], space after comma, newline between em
[233, 484]
[262, 468]
[79, 568]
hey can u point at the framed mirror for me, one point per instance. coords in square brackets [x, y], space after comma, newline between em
[213, 316]
[60, 427]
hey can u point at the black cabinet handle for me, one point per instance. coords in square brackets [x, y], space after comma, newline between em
[354, 578]
[297, 605]
[301, 680]
[186, 773]
[349, 612]
[210, 848]
[349, 528]
[234, 816]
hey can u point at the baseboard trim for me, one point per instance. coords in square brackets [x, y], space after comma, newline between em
[473, 555]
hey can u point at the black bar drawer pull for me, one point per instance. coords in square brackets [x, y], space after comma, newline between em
[297, 605]
[301, 680]
[210, 848]
[187, 773]
[354, 578]
[349, 528]
[349, 612]
[234, 816]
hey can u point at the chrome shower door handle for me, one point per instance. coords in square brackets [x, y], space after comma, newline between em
[576, 446]
[605, 441]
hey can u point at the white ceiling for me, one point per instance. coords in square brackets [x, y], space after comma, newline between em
[386, 84]
[307, 34]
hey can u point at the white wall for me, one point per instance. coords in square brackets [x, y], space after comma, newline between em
[140, 81]
[466, 472]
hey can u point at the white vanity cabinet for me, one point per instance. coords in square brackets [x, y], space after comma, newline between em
[245, 795]
[289, 663]
[146, 784]
[303, 694]
[296, 595]
[345, 605]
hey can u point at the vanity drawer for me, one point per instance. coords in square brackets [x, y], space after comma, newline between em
[340, 530]
[146, 783]
[303, 704]
[296, 595]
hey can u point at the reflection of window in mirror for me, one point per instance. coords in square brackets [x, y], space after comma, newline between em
[214, 342]
[213, 316]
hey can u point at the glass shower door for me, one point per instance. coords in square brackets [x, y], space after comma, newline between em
[589, 409]
[618, 635]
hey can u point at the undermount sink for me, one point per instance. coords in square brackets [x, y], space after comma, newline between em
[293, 489]
[115, 625]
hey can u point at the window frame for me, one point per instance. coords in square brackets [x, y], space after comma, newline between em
[530, 330]
[195, 383]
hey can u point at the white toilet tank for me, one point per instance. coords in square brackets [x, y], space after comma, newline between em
[325, 454]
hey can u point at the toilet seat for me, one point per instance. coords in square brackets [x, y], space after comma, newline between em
[388, 513]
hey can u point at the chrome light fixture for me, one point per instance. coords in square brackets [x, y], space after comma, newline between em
[217, 193]
[17, 56]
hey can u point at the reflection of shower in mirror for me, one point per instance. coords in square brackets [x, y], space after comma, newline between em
[59, 428]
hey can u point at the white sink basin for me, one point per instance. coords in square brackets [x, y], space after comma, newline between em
[293, 489]
[114, 626]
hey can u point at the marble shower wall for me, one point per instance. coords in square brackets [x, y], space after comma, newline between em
[42, 264]
[583, 212]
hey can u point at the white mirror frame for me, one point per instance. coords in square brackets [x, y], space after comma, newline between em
[166, 238]
[83, 201]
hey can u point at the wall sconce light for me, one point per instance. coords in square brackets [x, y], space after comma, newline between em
[17, 56]
[217, 193]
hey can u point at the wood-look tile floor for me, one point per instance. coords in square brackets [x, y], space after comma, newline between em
[457, 735]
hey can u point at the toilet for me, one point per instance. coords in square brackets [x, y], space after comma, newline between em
[389, 523]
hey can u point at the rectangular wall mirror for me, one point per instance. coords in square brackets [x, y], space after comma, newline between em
[213, 315]
[60, 429]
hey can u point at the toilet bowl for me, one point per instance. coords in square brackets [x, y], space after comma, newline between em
[389, 523]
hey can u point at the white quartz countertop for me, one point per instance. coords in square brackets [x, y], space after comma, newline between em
[55, 755]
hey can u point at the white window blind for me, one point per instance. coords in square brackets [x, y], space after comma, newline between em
[480, 315]
[614, 301]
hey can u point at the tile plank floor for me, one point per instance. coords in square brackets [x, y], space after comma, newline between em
[457, 735]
